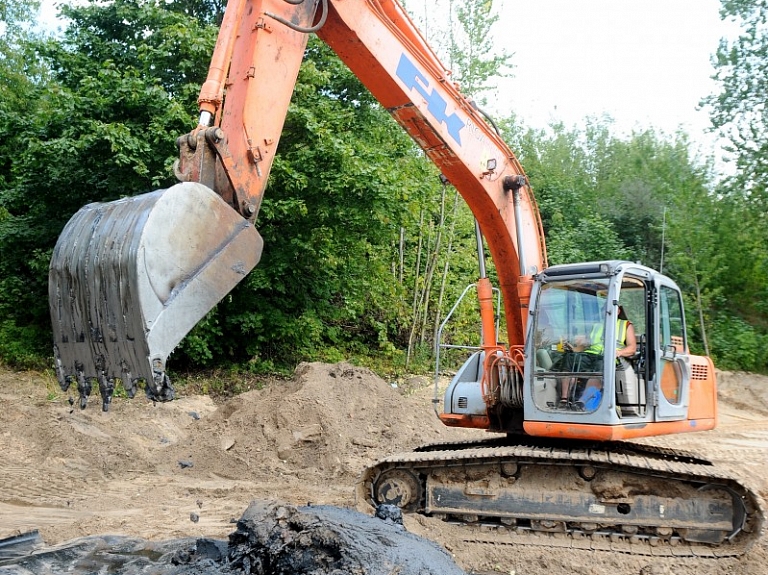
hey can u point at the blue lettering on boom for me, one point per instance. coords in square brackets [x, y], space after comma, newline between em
[413, 79]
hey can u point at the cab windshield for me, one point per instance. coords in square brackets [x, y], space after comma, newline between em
[569, 338]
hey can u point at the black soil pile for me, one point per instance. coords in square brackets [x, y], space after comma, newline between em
[271, 539]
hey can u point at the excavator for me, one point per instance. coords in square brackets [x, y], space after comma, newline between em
[565, 465]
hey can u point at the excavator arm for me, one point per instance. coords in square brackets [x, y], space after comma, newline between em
[130, 278]
[264, 42]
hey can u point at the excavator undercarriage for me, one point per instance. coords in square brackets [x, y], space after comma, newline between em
[618, 496]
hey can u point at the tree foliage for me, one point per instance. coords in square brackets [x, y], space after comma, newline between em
[99, 122]
[646, 198]
[330, 220]
[463, 35]
[739, 112]
[351, 206]
[17, 63]
[16, 12]
[365, 249]
[473, 52]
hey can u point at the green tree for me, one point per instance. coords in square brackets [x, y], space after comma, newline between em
[98, 124]
[474, 55]
[647, 198]
[463, 36]
[122, 83]
[16, 12]
[345, 182]
[737, 112]
[205, 11]
[364, 247]
[17, 62]
[19, 69]
[561, 165]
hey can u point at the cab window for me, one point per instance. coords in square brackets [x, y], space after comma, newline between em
[672, 326]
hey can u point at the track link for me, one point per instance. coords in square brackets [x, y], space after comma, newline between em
[618, 496]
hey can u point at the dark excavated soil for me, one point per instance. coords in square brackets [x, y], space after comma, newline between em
[271, 539]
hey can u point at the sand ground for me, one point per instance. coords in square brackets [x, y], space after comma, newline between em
[187, 468]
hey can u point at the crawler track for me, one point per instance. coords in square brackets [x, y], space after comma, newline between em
[619, 497]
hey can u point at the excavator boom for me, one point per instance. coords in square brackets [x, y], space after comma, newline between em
[129, 279]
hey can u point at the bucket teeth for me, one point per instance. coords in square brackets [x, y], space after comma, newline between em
[128, 280]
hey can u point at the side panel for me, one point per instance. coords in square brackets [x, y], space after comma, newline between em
[703, 396]
[591, 431]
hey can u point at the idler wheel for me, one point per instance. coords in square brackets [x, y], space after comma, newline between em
[398, 487]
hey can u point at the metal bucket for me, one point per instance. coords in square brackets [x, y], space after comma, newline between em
[130, 278]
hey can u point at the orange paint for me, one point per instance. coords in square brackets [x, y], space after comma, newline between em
[470, 421]
[703, 396]
[671, 380]
[594, 432]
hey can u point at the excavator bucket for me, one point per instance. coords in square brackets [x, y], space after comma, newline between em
[130, 278]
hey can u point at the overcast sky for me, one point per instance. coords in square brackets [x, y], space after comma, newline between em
[646, 63]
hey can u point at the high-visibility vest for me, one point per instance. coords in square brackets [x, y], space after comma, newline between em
[596, 337]
[622, 325]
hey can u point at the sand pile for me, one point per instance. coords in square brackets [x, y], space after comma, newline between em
[329, 421]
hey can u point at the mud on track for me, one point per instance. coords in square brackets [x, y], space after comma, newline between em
[187, 468]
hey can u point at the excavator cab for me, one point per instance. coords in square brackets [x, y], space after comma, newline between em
[574, 380]
[568, 382]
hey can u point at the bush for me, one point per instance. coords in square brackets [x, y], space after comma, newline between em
[735, 344]
[20, 347]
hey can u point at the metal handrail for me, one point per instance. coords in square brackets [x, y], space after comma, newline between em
[439, 336]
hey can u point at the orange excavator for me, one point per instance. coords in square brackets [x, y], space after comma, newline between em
[128, 279]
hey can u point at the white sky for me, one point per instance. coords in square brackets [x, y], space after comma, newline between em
[643, 62]
[646, 63]
[48, 13]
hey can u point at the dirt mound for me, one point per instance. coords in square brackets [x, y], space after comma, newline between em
[747, 392]
[328, 422]
[187, 468]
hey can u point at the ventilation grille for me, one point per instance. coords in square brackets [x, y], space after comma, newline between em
[699, 372]
[462, 403]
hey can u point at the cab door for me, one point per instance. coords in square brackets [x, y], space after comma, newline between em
[671, 384]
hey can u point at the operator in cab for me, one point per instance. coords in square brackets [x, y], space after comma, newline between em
[589, 350]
